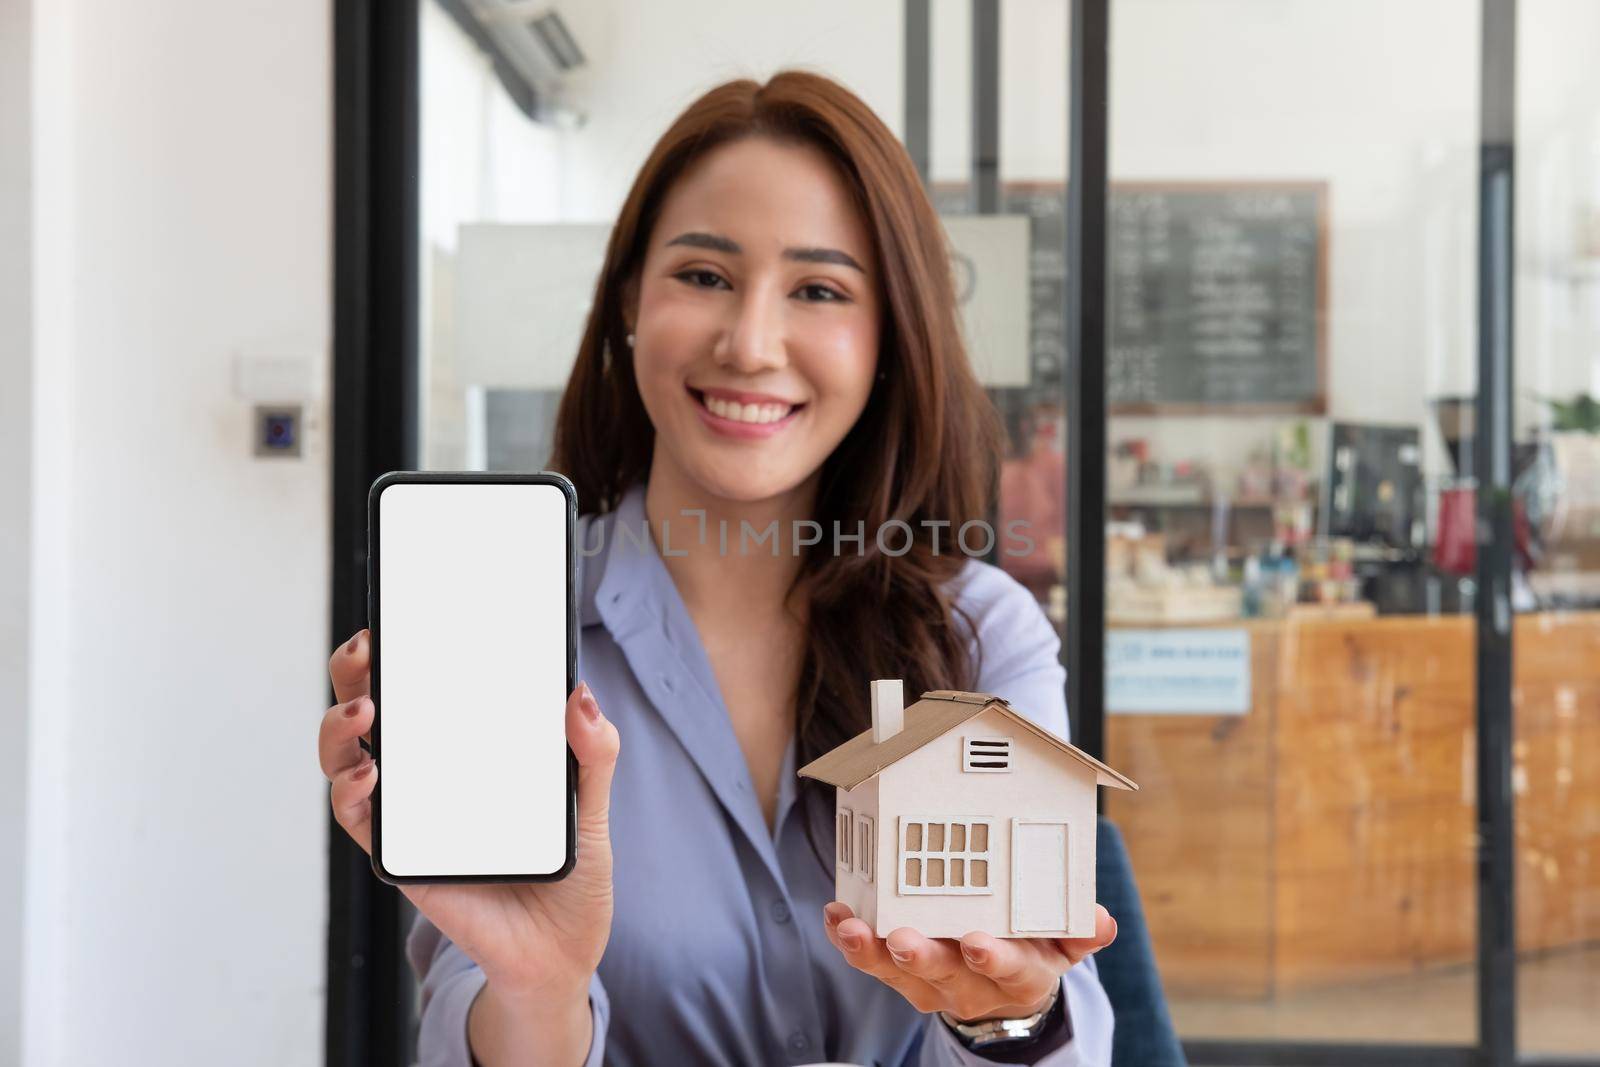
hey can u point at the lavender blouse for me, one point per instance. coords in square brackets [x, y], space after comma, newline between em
[717, 953]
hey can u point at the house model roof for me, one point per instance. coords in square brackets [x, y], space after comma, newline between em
[938, 711]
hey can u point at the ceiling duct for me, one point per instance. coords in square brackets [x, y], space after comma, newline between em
[532, 50]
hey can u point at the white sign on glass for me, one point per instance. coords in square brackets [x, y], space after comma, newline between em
[1179, 671]
[989, 257]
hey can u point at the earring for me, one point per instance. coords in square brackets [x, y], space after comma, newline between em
[630, 340]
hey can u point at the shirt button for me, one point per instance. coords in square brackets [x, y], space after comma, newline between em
[799, 1042]
[666, 682]
[780, 911]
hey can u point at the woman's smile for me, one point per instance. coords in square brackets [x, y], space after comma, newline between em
[743, 416]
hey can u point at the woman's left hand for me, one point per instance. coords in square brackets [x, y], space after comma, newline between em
[978, 977]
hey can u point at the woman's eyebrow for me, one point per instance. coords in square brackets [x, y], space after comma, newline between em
[823, 255]
[717, 243]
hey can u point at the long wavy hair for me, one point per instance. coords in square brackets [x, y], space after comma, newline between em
[926, 447]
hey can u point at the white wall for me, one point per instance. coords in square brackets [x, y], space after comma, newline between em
[179, 588]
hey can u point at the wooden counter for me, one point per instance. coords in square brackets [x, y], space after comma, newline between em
[1327, 836]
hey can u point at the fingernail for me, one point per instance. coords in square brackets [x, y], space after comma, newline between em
[900, 957]
[363, 770]
[850, 941]
[352, 709]
[351, 647]
[974, 954]
[586, 702]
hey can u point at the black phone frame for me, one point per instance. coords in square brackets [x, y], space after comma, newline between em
[379, 484]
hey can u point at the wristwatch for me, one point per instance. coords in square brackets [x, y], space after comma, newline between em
[997, 1034]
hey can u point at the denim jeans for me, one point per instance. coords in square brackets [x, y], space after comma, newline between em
[1144, 1036]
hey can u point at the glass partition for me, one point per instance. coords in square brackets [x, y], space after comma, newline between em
[1556, 676]
[1291, 352]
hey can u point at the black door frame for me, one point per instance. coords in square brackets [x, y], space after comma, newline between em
[370, 991]
[375, 326]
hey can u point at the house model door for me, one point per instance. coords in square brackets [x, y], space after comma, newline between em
[1038, 876]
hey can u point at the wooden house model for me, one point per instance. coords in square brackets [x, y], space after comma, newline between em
[958, 814]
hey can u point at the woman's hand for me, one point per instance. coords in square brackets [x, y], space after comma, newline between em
[978, 977]
[538, 944]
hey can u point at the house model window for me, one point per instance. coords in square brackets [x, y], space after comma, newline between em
[865, 847]
[945, 856]
[990, 755]
[843, 834]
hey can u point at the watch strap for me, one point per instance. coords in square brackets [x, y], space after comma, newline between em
[1021, 1040]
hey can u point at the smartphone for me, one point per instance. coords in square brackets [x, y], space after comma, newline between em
[471, 600]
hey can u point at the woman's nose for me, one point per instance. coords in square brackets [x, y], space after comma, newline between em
[754, 340]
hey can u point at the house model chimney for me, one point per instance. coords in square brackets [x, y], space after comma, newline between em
[888, 709]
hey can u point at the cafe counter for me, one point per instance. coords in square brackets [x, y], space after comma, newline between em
[1327, 834]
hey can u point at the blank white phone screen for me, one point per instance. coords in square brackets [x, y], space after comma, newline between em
[472, 631]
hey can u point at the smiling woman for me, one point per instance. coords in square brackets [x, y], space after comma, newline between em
[778, 251]
[772, 345]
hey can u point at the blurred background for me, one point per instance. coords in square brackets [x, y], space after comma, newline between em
[253, 254]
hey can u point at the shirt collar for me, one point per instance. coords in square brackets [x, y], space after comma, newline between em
[634, 597]
[630, 580]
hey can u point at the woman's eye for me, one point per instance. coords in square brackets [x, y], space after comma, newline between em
[827, 295]
[702, 279]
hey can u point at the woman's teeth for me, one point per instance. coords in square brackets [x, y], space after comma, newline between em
[745, 412]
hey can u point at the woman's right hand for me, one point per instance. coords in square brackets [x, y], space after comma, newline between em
[536, 943]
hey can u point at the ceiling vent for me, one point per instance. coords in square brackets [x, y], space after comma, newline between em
[533, 51]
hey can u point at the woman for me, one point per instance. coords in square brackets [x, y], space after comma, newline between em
[773, 339]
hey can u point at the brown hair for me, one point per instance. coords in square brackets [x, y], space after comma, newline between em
[926, 447]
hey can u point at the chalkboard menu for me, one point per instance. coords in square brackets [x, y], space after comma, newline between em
[1216, 292]
[1215, 297]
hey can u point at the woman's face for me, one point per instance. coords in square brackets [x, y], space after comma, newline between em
[756, 330]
